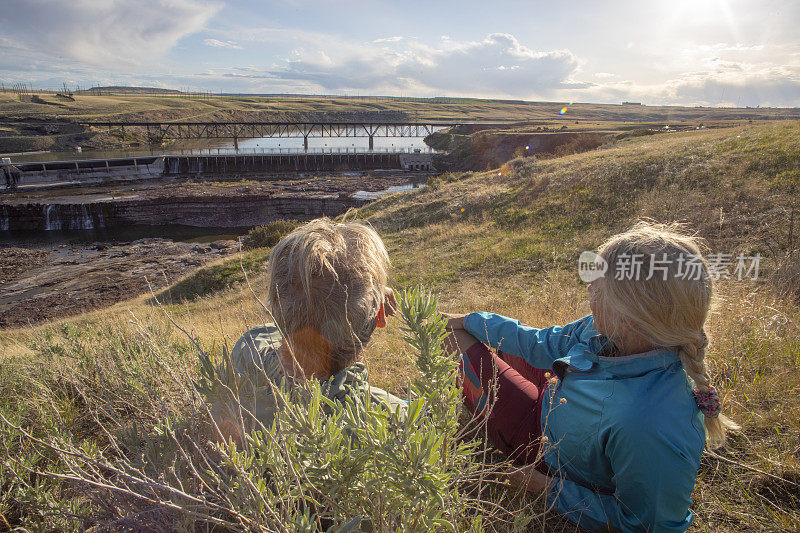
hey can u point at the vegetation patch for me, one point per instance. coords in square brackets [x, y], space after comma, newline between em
[216, 277]
[268, 235]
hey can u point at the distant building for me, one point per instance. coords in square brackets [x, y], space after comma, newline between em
[416, 161]
[631, 103]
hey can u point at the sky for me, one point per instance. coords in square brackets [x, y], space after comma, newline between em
[659, 52]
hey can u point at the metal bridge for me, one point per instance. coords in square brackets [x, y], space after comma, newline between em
[249, 130]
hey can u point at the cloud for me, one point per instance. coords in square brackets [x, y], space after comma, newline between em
[719, 83]
[725, 47]
[111, 34]
[389, 39]
[741, 86]
[123, 41]
[498, 65]
[222, 44]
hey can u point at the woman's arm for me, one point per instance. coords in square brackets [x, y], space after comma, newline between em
[538, 347]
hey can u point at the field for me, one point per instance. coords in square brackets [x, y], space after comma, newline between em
[504, 240]
[172, 107]
[27, 123]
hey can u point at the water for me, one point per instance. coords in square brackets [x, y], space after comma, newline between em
[52, 222]
[59, 217]
[82, 223]
[87, 222]
[264, 145]
[367, 195]
[328, 144]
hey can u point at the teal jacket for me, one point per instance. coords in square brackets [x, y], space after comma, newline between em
[626, 445]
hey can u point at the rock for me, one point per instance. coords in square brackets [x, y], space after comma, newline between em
[37, 286]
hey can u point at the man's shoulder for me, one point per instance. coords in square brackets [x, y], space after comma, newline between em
[355, 380]
[258, 347]
[267, 331]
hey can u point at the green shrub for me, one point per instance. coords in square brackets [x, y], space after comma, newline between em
[268, 235]
[144, 459]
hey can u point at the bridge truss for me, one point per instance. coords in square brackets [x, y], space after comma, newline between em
[245, 130]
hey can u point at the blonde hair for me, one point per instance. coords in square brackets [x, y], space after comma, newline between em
[670, 308]
[326, 285]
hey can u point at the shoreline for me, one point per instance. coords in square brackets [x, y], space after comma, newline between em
[48, 278]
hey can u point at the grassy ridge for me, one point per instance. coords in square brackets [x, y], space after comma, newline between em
[22, 118]
[171, 107]
[507, 241]
[736, 187]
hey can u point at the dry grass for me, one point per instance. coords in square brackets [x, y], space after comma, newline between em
[508, 243]
[594, 116]
[22, 130]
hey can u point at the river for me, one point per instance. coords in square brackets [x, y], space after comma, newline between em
[264, 145]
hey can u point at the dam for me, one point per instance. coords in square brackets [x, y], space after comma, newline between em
[94, 171]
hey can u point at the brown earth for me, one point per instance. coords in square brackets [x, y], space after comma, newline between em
[201, 204]
[39, 285]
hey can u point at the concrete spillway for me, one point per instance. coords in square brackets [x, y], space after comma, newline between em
[95, 171]
[90, 170]
[298, 162]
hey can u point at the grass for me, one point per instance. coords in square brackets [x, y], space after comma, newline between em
[507, 241]
[215, 277]
[169, 107]
[22, 129]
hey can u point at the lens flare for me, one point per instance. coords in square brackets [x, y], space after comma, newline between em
[563, 110]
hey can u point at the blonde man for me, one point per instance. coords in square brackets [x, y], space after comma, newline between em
[327, 292]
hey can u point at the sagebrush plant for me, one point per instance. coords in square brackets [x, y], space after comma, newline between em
[116, 433]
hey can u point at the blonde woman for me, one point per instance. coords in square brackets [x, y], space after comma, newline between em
[327, 292]
[613, 411]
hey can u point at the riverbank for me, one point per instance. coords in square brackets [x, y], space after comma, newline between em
[506, 244]
[213, 203]
[62, 280]
[94, 256]
[49, 123]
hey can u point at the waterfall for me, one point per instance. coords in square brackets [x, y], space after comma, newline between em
[86, 219]
[52, 221]
[72, 217]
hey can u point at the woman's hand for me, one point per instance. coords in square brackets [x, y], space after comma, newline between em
[530, 479]
[454, 322]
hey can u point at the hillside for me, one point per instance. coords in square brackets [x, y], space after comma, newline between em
[47, 122]
[507, 241]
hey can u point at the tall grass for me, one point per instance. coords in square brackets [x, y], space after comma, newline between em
[505, 243]
[115, 433]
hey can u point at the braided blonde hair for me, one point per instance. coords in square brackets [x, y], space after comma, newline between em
[666, 302]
